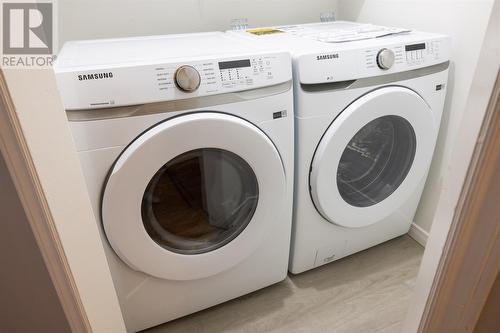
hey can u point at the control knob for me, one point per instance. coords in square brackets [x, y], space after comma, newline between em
[187, 78]
[385, 59]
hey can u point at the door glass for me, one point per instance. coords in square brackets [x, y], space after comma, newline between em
[376, 161]
[200, 201]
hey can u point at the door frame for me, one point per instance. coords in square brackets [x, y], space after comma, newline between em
[18, 159]
[471, 259]
[451, 224]
[34, 134]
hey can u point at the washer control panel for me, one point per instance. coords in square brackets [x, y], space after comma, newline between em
[211, 77]
[149, 83]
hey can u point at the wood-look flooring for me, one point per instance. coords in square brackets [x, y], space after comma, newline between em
[364, 293]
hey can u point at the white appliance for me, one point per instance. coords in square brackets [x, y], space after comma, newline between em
[368, 105]
[186, 144]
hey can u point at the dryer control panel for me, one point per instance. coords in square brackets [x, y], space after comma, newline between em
[420, 53]
[150, 83]
[412, 55]
[374, 58]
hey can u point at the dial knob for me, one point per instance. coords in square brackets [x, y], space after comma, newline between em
[385, 59]
[187, 78]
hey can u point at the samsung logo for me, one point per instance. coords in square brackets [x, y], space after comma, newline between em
[327, 56]
[95, 76]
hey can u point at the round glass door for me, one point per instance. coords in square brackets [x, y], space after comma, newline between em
[179, 206]
[373, 157]
[376, 161]
[200, 201]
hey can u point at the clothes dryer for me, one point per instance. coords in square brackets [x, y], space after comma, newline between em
[368, 107]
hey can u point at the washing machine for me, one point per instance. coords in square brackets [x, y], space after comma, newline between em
[186, 145]
[368, 106]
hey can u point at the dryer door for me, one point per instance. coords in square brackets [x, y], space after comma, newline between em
[193, 196]
[372, 157]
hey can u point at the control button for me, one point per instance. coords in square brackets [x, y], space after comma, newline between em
[385, 59]
[187, 78]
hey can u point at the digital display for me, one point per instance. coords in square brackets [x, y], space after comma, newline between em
[415, 47]
[234, 64]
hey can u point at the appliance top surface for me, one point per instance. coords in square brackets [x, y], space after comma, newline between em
[315, 38]
[340, 51]
[150, 49]
[103, 73]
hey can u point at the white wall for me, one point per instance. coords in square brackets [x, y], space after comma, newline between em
[86, 19]
[466, 22]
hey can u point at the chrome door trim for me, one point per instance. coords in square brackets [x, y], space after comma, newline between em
[176, 105]
[375, 80]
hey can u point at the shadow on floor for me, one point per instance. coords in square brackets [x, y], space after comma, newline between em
[234, 315]
[367, 292]
[360, 266]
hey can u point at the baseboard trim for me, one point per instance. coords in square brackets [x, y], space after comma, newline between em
[418, 234]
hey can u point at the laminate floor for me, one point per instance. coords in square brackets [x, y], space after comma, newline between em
[364, 293]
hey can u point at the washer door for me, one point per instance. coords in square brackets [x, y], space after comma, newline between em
[193, 196]
[372, 157]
